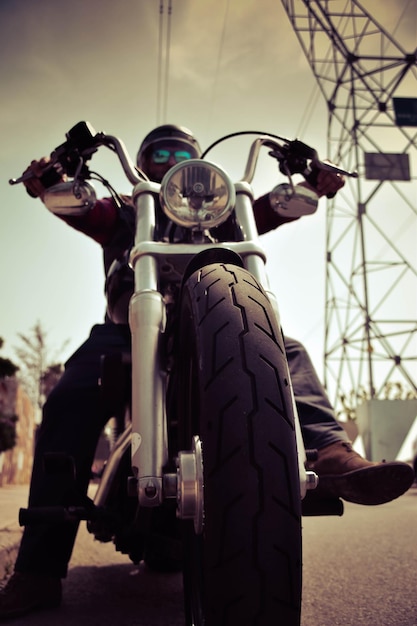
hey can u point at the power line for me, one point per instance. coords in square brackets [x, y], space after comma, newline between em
[219, 56]
[167, 58]
[405, 9]
[308, 111]
[164, 48]
[160, 51]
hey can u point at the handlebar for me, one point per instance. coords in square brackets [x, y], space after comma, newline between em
[293, 157]
[83, 141]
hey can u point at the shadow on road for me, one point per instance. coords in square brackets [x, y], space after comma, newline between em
[117, 595]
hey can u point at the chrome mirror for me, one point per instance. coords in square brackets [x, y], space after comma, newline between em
[293, 201]
[70, 198]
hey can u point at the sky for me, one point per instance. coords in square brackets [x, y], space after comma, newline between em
[233, 65]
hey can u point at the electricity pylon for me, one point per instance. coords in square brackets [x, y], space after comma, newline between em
[369, 83]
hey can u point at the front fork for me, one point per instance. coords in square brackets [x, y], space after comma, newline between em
[147, 318]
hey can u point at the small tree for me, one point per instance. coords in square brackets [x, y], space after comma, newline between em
[39, 371]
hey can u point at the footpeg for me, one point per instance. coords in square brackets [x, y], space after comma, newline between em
[313, 505]
[52, 515]
[62, 514]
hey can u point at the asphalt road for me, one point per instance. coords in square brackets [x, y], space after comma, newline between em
[358, 570]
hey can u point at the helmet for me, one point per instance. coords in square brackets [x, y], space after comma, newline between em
[165, 133]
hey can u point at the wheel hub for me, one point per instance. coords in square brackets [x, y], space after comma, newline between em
[190, 485]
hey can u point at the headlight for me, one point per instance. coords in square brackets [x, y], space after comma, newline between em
[197, 195]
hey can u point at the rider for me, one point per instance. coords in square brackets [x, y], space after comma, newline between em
[74, 416]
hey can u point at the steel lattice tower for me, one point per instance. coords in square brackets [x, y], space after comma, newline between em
[371, 231]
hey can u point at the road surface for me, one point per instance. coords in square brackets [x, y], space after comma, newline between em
[359, 570]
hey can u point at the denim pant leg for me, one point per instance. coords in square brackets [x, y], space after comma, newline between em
[73, 419]
[317, 418]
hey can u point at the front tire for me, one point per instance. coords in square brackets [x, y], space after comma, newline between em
[233, 392]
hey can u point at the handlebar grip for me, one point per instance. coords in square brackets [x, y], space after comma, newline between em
[312, 178]
[50, 177]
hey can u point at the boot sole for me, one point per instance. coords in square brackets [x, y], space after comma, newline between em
[369, 485]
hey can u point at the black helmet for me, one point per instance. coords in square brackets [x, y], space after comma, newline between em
[165, 133]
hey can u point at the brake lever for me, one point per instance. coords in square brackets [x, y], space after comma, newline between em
[81, 143]
[330, 167]
[49, 177]
[298, 150]
[312, 172]
[21, 179]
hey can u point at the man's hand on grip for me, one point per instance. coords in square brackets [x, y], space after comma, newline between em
[43, 174]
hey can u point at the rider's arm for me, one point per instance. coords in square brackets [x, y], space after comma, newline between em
[96, 220]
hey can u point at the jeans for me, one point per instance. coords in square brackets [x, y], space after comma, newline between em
[317, 418]
[73, 419]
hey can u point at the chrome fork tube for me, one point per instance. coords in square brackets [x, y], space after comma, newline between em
[245, 218]
[147, 323]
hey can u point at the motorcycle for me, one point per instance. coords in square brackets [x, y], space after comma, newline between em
[207, 470]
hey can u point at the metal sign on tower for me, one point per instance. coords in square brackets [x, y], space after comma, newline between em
[369, 82]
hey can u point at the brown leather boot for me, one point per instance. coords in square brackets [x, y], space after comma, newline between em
[26, 592]
[343, 473]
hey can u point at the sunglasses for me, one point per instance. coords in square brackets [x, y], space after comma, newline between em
[162, 156]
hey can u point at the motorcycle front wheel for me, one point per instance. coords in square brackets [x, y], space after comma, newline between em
[233, 392]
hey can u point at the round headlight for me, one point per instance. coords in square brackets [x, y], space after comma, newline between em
[197, 195]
